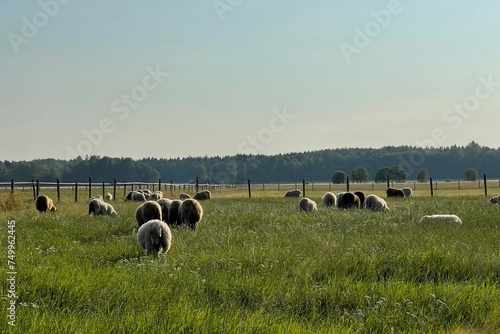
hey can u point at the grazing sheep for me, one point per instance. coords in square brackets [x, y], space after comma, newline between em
[441, 218]
[375, 203]
[307, 205]
[98, 197]
[407, 191]
[98, 207]
[137, 196]
[361, 195]
[173, 212]
[108, 197]
[495, 200]
[147, 211]
[156, 195]
[165, 205]
[329, 199]
[393, 192]
[153, 236]
[44, 203]
[190, 213]
[339, 198]
[184, 196]
[202, 195]
[349, 200]
[293, 193]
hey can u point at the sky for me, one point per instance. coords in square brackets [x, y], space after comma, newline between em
[169, 79]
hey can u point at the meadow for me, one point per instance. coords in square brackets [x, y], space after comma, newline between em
[257, 266]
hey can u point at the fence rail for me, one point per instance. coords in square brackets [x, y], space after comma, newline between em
[91, 188]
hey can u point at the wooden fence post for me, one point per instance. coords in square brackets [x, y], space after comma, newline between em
[485, 186]
[37, 188]
[103, 189]
[432, 190]
[388, 181]
[249, 189]
[34, 190]
[90, 187]
[303, 187]
[76, 192]
[114, 189]
[347, 183]
[197, 185]
[12, 186]
[58, 191]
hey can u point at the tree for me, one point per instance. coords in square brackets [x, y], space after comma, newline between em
[339, 177]
[471, 175]
[397, 173]
[360, 175]
[423, 175]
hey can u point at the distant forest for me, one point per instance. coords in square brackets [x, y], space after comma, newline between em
[442, 163]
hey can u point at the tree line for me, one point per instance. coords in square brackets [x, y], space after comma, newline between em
[365, 164]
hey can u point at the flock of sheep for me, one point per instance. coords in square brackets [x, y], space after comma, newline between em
[154, 215]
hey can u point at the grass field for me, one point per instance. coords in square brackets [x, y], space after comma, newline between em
[257, 266]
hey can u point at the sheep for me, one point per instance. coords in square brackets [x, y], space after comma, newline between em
[184, 196]
[108, 197]
[393, 192]
[147, 211]
[165, 205]
[173, 212]
[495, 200]
[375, 203]
[155, 196]
[190, 213]
[136, 196]
[441, 218]
[329, 199]
[44, 203]
[339, 198]
[153, 236]
[407, 191]
[202, 195]
[349, 200]
[293, 193]
[98, 197]
[307, 205]
[98, 207]
[361, 195]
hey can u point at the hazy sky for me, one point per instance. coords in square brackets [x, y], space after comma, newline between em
[195, 78]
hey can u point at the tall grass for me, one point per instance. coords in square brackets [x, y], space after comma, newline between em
[259, 266]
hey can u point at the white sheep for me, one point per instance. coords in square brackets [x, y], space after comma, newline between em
[98, 197]
[147, 211]
[156, 195]
[153, 236]
[329, 199]
[165, 206]
[137, 196]
[307, 205]
[190, 213]
[441, 218]
[495, 200]
[98, 207]
[108, 197]
[407, 191]
[375, 203]
[44, 203]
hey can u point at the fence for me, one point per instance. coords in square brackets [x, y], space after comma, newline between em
[115, 188]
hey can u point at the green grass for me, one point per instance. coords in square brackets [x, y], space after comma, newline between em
[259, 266]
